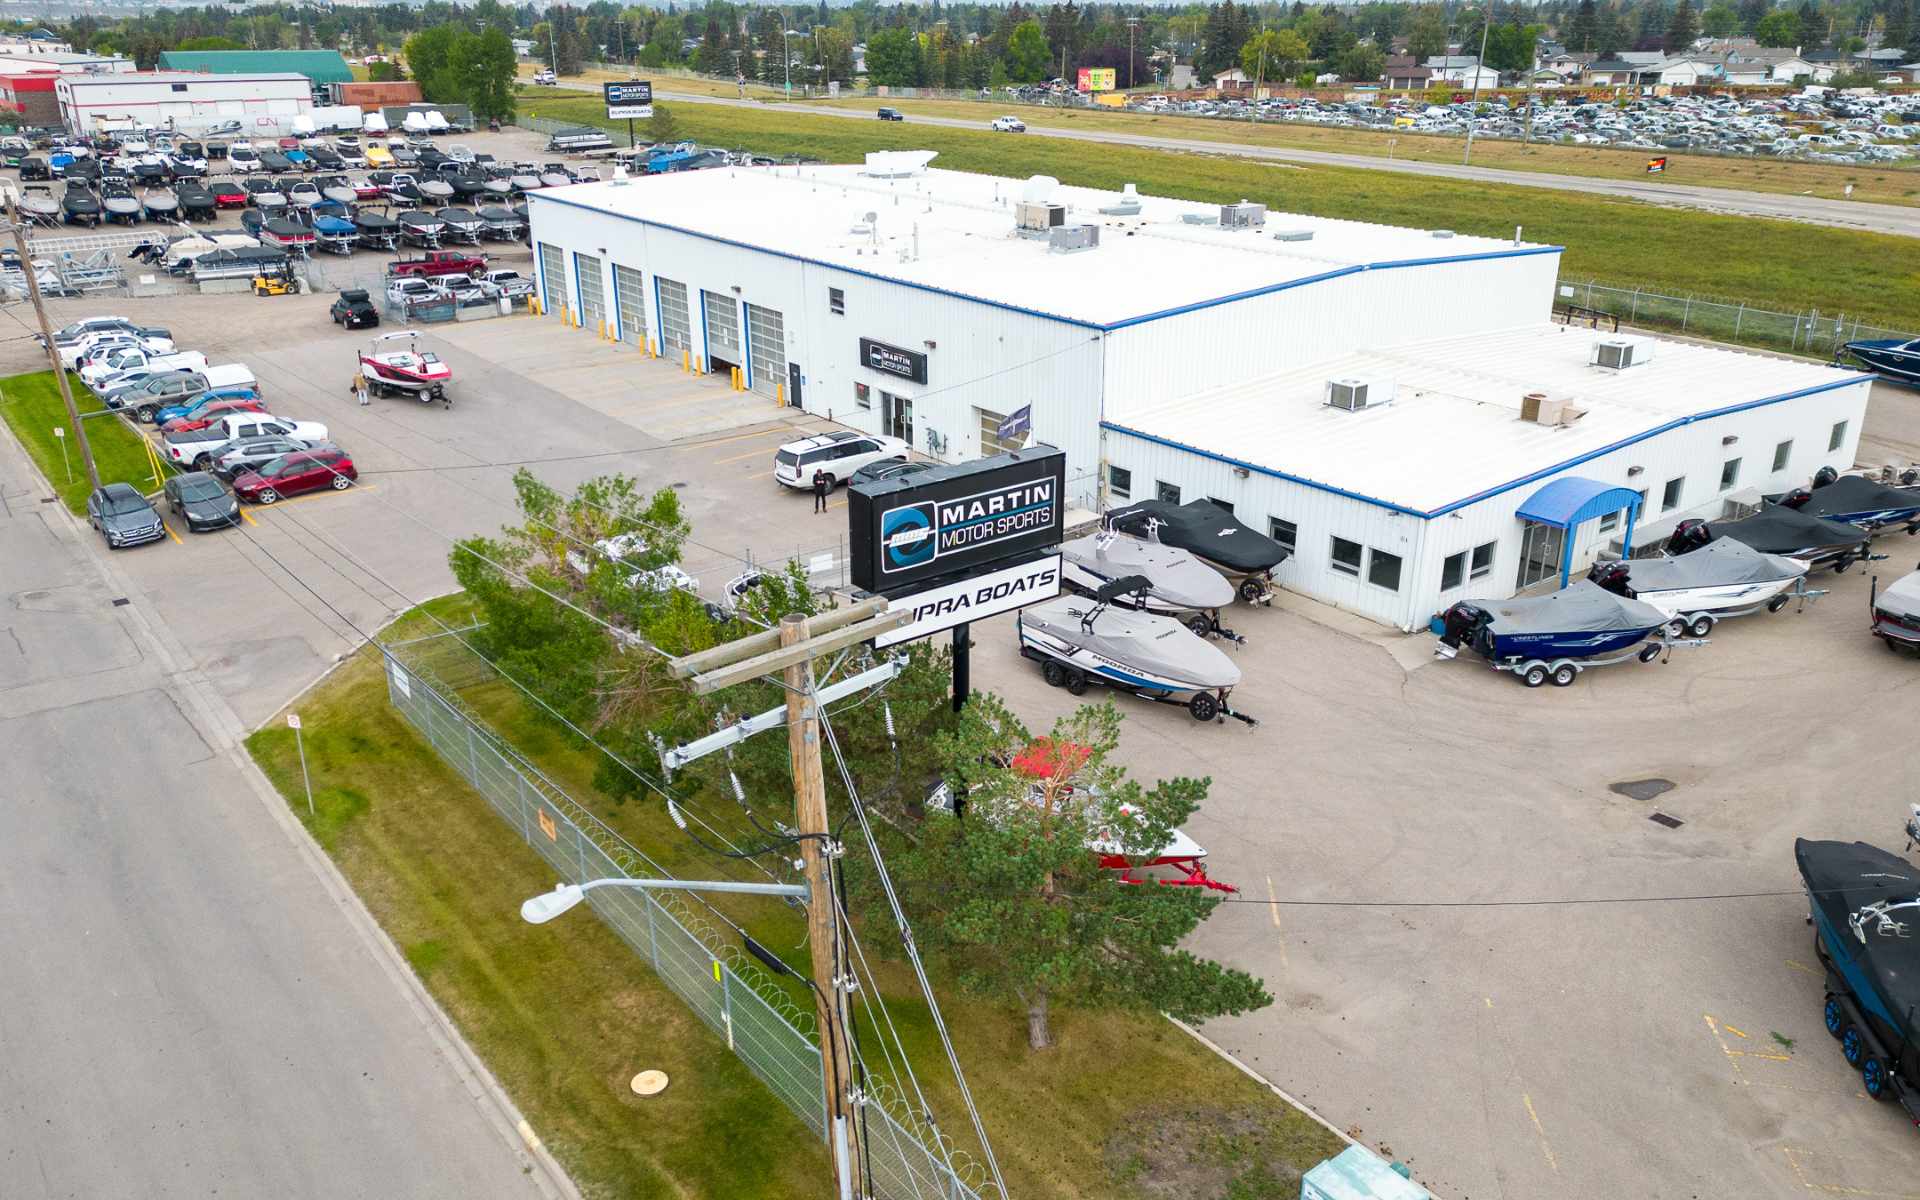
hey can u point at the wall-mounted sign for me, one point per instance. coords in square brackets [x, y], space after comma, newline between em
[892, 360]
[976, 598]
[955, 519]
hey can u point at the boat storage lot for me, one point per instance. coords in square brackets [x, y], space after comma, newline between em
[1519, 1050]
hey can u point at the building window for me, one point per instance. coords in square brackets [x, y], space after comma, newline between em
[1120, 482]
[837, 302]
[1610, 521]
[1346, 557]
[863, 395]
[1224, 505]
[1733, 510]
[1284, 532]
[1781, 454]
[1168, 492]
[1670, 498]
[990, 442]
[1839, 435]
[1383, 570]
[1453, 571]
[178, 87]
[1483, 560]
[1729, 474]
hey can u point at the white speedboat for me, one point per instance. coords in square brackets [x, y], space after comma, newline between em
[406, 369]
[1724, 578]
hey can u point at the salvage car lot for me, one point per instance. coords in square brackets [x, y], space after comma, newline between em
[1520, 1050]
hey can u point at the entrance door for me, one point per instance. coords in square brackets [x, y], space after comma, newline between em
[896, 416]
[1542, 548]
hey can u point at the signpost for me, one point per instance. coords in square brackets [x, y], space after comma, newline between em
[630, 100]
[293, 723]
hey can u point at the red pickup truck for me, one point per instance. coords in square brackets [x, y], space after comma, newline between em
[435, 263]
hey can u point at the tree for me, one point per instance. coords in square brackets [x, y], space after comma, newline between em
[1026, 55]
[1426, 33]
[1066, 36]
[663, 128]
[1281, 50]
[209, 43]
[1364, 63]
[1913, 36]
[490, 74]
[1813, 33]
[1581, 29]
[1780, 28]
[1682, 28]
[1720, 22]
[889, 60]
[1015, 901]
[429, 54]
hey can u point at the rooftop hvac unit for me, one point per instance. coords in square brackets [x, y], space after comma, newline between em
[1542, 409]
[1243, 215]
[1038, 217]
[1356, 392]
[1065, 239]
[1619, 353]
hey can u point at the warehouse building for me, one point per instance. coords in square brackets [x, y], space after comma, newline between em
[902, 300]
[321, 67]
[182, 100]
[28, 96]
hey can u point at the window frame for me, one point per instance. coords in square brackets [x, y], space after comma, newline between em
[1375, 556]
[1477, 569]
[1672, 493]
[1782, 455]
[1340, 567]
[1456, 566]
[1119, 482]
[1730, 473]
[1292, 539]
[837, 301]
[1838, 437]
[1166, 493]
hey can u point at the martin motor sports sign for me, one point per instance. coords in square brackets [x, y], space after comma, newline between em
[892, 360]
[629, 100]
[968, 517]
[976, 598]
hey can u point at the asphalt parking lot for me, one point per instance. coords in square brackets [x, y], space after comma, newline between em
[1502, 1045]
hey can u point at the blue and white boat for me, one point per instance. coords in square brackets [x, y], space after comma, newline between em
[1898, 357]
[1554, 637]
[335, 234]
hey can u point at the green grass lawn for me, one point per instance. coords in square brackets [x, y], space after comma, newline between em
[565, 1013]
[32, 406]
[1779, 265]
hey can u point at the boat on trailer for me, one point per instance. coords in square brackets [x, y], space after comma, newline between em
[1725, 578]
[406, 369]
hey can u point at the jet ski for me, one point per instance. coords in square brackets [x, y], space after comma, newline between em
[80, 205]
[1212, 535]
[39, 204]
[160, 203]
[290, 236]
[120, 202]
[334, 234]
[1898, 357]
[406, 370]
[1855, 500]
[196, 202]
[462, 226]
[421, 229]
[1776, 529]
[1896, 614]
[1079, 640]
[377, 232]
[1180, 584]
[502, 223]
[1863, 902]
[1554, 637]
[1721, 579]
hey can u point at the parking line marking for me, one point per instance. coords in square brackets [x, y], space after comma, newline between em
[172, 534]
[1513, 1066]
[316, 495]
[763, 474]
[744, 436]
[1826, 1187]
[1546, 1149]
[739, 412]
[738, 457]
[1274, 902]
[249, 517]
[1808, 970]
[1730, 1029]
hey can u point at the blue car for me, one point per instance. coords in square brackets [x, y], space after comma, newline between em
[176, 411]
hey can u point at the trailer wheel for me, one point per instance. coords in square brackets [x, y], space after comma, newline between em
[1203, 707]
[1250, 590]
[1876, 1078]
[1853, 1045]
[1054, 674]
[1565, 674]
[1535, 675]
[1677, 627]
[1199, 625]
[1835, 1016]
[1076, 682]
[1777, 603]
[1700, 626]
[1650, 652]
[1840, 568]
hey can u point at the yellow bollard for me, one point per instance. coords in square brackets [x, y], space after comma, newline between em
[780, 394]
[686, 364]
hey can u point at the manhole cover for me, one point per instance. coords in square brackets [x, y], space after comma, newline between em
[122, 603]
[36, 595]
[680, 483]
[649, 1083]
[1643, 789]
[1669, 822]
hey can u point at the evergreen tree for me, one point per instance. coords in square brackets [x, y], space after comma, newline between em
[1913, 33]
[662, 127]
[1813, 27]
[1894, 34]
[713, 58]
[1751, 13]
[1583, 28]
[1682, 28]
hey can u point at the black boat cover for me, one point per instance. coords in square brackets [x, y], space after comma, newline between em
[1777, 530]
[1855, 494]
[1722, 561]
[1843, 876]
[375, 223]
[1204, 529]
[1586, 607]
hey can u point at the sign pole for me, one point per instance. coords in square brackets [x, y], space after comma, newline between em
[293, 721]
[962, 667]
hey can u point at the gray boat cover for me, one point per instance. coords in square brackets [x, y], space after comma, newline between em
[1901, 598]
[1586, 607]
[1178, 577]
[1157, 646]
[1720, 562]
[1777, 530]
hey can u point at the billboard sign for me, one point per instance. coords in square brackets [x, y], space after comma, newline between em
[976, 598]
[892, 360]
[1097, 79]
[910, 532]
[629, 101]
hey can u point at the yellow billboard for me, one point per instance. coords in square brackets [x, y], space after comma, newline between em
[1096, 79]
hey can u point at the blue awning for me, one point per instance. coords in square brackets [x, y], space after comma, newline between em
[1569, 500]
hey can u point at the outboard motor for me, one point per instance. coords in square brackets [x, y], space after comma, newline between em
[1909, 477]
[1824, 476]
[1613, 577]
[1688, 535]
[1795, 498]
[1459, 625]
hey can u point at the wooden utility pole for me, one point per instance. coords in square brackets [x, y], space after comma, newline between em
[823, 926]
[46, 332]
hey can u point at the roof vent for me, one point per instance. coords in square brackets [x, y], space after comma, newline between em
[1619, 353]
[1039, 189]
[1355, 392]
[1244, 215]
[1542, 409]
[1293, 235]
[1128, 205]
[1199, 219]
[1443, 233]
[1066, 239]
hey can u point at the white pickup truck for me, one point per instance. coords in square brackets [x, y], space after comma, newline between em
[201, 447]
[126, 359]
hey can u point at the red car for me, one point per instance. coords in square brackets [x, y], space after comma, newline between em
[227, 194]
[208, 413]
[301, 471]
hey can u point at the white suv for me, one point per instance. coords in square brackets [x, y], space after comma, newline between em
[838, 454]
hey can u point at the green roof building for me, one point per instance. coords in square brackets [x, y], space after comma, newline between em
[320, 66]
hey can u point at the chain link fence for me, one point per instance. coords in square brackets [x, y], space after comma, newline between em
[1807, 331]
[705, 967]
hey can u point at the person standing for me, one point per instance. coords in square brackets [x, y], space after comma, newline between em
[822, 484]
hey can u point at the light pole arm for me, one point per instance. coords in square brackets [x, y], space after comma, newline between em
[548, 905]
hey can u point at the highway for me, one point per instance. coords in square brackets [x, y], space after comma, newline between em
[1874, 218]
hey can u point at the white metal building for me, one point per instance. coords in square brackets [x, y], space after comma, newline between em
[184, 100]
[1420, 497]
[901, 300]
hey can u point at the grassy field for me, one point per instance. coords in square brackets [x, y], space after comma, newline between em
[1770, 264]
[566, 1013]
[31, 404]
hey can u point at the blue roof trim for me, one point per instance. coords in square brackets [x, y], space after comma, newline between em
[1534, 477]
[1031, 312]
[1571, 499]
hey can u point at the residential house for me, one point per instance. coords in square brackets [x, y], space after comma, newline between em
[1688, 71]
[1404, 75]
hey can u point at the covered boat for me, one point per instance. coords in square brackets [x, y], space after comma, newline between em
[1554, 637]
[1179, 582]
[1896, 613]
[502, 222]
[1776, 529]
[341, 192]
[1863, 902]
[196, 202]
[39, 204]
[1211, 534]
[290, 236]
[80, 205]
[334, 234]
[304, 194]
[377, 232]
[1856, 500]
[436, 189]
[1896, 357]
[1080, 640]
[526, 178]
[119, 202]
[160, 203]
[462, 226]
[240, 262]
[419, 228]
[1699, 587]
[406, 369]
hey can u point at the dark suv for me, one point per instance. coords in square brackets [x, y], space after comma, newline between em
[355, 311]
[123, 516]
[891, 114]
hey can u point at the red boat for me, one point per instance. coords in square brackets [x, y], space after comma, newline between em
[406, 369]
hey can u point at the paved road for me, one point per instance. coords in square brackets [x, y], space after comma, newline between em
[1877, 218]
[191, 1003]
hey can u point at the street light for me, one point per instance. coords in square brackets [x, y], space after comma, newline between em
[547, 905]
